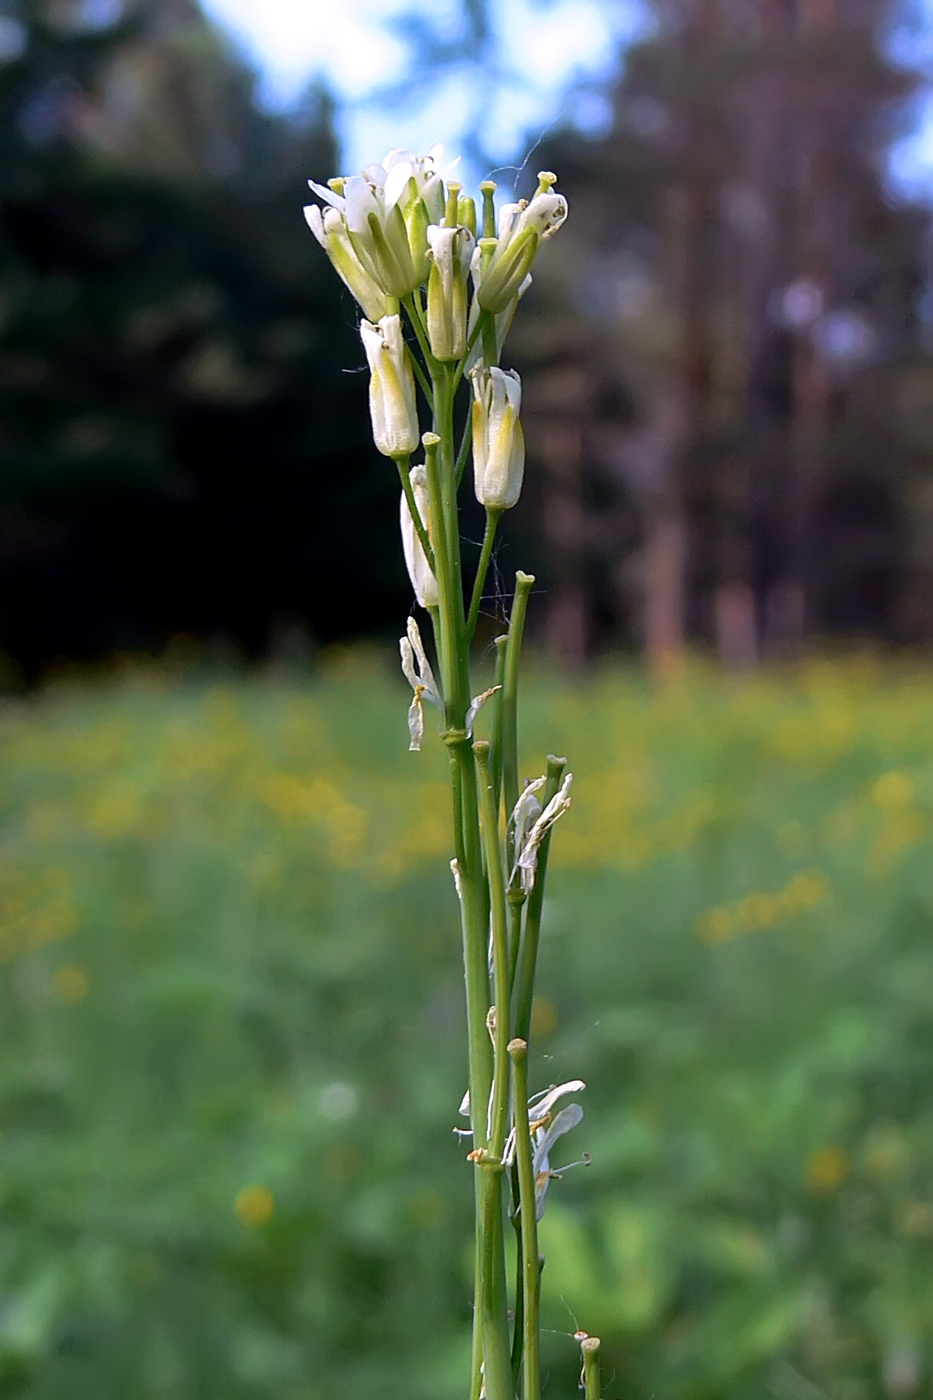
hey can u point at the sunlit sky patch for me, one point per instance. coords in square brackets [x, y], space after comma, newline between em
[557, 56]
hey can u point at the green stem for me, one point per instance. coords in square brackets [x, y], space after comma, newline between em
[529, 953]
[490, 348]
[589, 1381]
[408, 493]
[417, 324]
[421, 377]
[465, 443]
[500, 947]
[513, 651]
[531, 1382]
[450, 632]
[489, 538]
[516, 900]
[474, 335]
[496, 754]
[497, 1361]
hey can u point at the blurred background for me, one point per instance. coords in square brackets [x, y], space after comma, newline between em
[230, 1000]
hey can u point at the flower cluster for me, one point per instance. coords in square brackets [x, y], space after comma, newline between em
[405, 238]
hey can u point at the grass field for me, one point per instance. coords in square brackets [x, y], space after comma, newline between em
[232, 1050]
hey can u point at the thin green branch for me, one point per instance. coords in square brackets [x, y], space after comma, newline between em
[475, 333]
[489, 539]
[528, 1234]
[416, 318]
[590, 1380]
[495, 757]
[421, 377]
[528, 961]
[465, 444]
[418, 523]
[523, 586]
[489, 827]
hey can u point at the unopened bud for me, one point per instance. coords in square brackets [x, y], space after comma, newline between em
[451, 250]
[392, 404]
[498, 443]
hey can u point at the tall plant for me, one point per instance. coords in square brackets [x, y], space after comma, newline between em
[439, 283]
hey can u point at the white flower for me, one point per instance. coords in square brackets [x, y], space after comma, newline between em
[331, 232]
[392, 404]
[526, 864]
[498, 442]
[545, 1130]
[523, 227]
[423, 580]
[409, 177]
[385, 213]
[417, 671]
[451, 250]
[526, 812]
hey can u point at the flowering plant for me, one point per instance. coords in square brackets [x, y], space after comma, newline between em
[438, 282]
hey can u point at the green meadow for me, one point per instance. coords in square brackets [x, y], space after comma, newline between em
[232, 1048]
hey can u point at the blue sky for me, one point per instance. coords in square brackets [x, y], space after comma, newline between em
[560, 56]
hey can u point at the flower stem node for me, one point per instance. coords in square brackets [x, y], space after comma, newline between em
[498, 441]
[392, 404]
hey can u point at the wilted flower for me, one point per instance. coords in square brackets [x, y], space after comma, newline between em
[392, 403]
[417, 671]
[498, 442]
[545, 1130]
[526, 864]
[422, 576]
[451, 251]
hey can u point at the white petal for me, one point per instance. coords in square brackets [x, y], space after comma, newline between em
[408, 662]
[540, 1105]
[416, 722]
[476, 704]
[424, 666]
[337, 200]
[568, 1118]
[312, 213]
[397, 182]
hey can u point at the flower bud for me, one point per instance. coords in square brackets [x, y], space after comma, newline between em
[379, 237]
[522, 229]
[498, 443]
[330, 230]
[451, 251]
[392, 404]
[420, 572]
